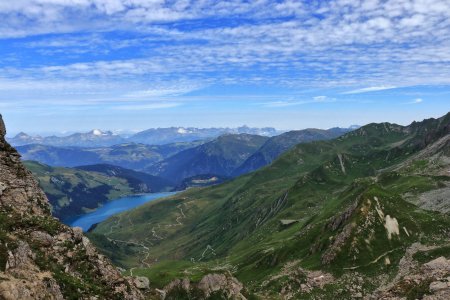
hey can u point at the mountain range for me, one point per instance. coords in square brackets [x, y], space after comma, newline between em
[154, 136]
[228, 155]
[161, 136]
[362, 215]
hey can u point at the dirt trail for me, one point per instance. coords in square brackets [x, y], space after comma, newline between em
[145, 252]
[208, 248]
[115, 224]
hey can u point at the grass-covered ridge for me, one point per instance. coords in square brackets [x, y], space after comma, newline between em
[337, 206]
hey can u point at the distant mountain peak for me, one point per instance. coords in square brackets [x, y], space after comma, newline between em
[22, 135]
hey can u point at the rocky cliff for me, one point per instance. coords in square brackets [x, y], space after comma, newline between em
[40, 258]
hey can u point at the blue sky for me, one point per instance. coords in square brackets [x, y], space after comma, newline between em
[74, 65]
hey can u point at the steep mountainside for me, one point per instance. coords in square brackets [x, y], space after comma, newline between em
[218, 157]
[279, 144]
[40, 258]
[328, 219]
[130, 156]
[72, 192]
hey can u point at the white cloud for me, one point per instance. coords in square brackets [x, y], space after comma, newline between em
[401, 42]
[370, 89]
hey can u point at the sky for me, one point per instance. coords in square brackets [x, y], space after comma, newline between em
[75, 65]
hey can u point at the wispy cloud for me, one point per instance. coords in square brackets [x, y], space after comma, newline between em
[370, 89]
[324, 99]
[86, 52]
[282, 103]
[287, 103]
[378, 42]
[148, 106]
[415, 101]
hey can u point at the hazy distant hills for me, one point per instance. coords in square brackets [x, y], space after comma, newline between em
[154, 136]
[131, 156]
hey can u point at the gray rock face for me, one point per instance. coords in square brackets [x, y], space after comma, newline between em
[208, 285]
[220, 282]
[2, 127]
[35, 248]
[436, 271]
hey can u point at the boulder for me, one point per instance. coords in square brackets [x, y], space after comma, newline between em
[42, 238]
[142, 282]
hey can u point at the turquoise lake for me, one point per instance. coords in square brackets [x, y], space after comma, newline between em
[113, 207]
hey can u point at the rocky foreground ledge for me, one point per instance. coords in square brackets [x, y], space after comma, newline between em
[40, 258]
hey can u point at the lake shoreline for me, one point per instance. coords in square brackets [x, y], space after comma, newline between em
[89, 221]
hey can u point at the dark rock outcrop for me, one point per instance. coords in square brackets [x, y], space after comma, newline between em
[40, 258]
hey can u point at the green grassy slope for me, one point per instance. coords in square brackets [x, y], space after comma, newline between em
[338, 206]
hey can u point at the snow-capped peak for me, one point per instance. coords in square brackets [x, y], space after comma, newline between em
[97, 132]
[181, 130]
